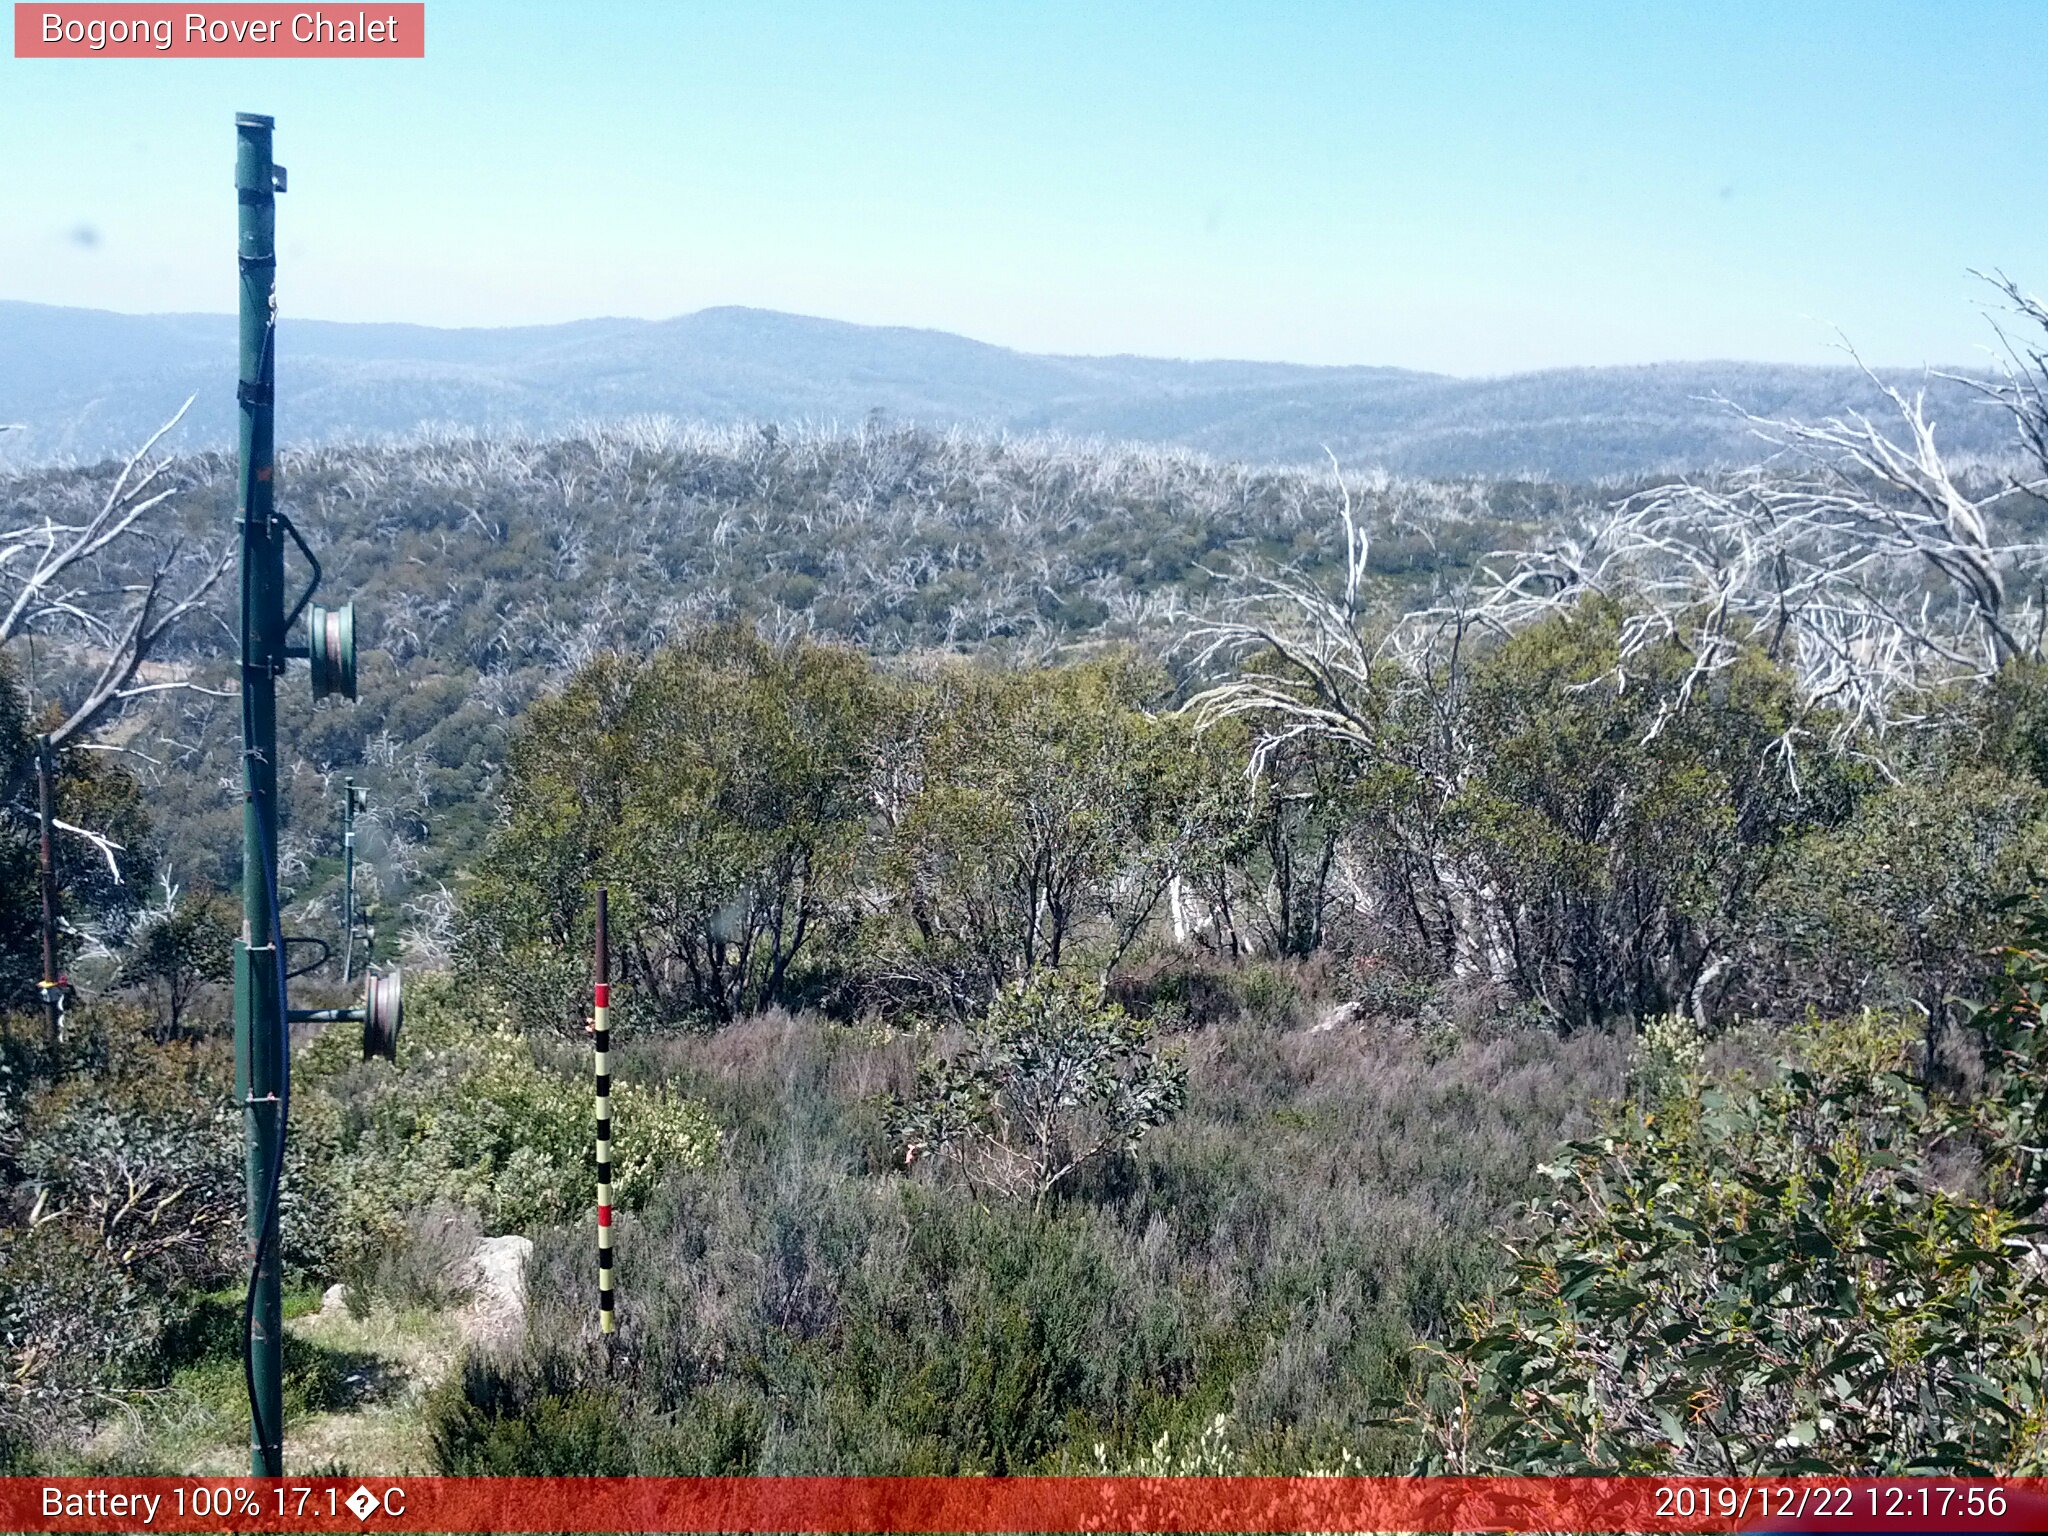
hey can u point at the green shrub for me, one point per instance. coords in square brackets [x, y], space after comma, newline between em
[467, 1118]
[546, 1420]
[718, 788]
[425, 1264]
[1765, 1280]
[57, 1377]
[1664, 1067]
[1270, 995]
[177, 953]
[128, 1175]
[1028, 815]
[1052, 1079]
[1900, 905]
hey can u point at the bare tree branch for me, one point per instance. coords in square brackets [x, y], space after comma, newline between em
[106, 845]
[1858, 556]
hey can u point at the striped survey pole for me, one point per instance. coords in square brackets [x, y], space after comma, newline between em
[601, 1045]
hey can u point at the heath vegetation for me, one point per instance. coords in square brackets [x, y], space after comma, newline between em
[1122, 961]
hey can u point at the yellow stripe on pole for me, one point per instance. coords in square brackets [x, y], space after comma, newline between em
[600, 1025]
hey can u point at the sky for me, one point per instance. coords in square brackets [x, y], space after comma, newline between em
[1462, 187]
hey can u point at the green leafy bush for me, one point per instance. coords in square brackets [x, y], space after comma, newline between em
[718, 789]
[127, 1190]
[550, 1418]
[178, 952]
[1050, 1080]
[1901, 904]
[1024, 815]
[467, 1117]
[1768, 1279]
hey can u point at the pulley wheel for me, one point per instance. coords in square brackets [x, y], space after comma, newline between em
[331, 648]
[383, 1009]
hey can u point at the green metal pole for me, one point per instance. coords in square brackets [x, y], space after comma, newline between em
[260, 1064]
[348, 878]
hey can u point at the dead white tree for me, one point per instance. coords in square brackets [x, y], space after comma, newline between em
[67, 579]
[1874, 568]
[114, 584]
[1858, 555]
[1304, 662]
[2021, 389]
[1311, 664]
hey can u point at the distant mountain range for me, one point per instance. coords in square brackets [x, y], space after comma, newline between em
[87, 383]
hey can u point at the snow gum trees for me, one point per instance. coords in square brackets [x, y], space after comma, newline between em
[1597, 768]
[789, 824]
[719, 788]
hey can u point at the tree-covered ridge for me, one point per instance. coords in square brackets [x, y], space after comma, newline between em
[486, 570]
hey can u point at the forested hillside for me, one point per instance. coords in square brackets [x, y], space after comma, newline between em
[1106, 944]
[487, 570]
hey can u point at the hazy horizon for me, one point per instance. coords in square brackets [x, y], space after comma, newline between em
[1843, 359]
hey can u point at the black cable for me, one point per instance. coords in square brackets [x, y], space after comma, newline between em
[326, 954]
[267, 1234]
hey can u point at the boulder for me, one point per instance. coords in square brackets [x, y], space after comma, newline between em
[496, 1313]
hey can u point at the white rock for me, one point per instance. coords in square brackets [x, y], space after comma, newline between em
[497, 1276]
[1336, 1016]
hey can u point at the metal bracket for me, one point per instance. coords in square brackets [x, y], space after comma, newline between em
[277, 177]
[313, 560]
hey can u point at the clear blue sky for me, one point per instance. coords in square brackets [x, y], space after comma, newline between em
[1474, 188]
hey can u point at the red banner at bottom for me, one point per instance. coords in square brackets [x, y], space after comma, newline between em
[1021, 1504]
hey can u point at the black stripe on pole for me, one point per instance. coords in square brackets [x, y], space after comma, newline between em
[600, 1032]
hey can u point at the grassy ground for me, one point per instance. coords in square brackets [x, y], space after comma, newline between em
[354, 1390]
[1325, 1200]
[1333, 1188]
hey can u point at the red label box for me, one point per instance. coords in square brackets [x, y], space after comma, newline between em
[243, 31]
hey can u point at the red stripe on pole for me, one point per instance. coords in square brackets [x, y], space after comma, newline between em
[604, 995]
[604, 1215]
[1021, 1504]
